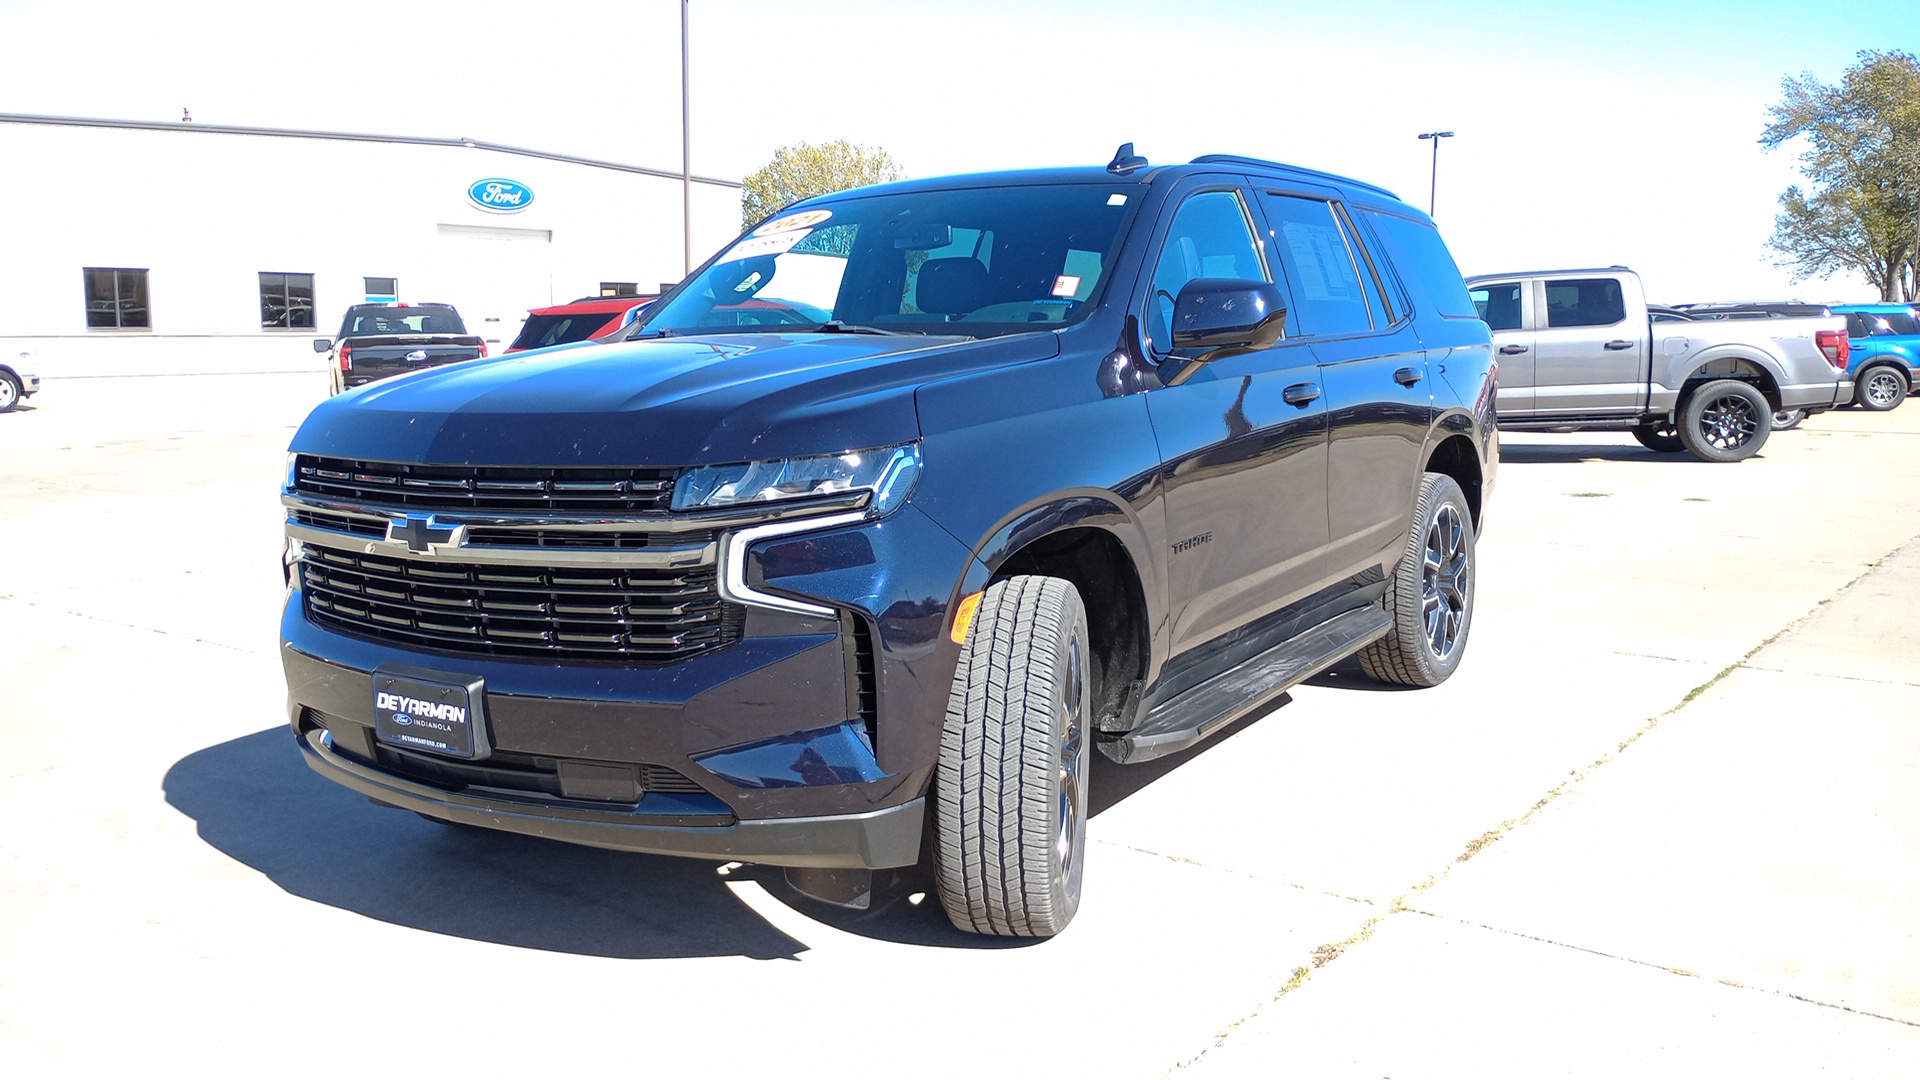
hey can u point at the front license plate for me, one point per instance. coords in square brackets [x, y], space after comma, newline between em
[437, 712]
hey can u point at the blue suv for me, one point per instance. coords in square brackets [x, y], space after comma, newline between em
[1886, 353]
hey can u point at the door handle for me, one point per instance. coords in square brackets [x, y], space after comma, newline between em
[1616, 346]
[1300, 393]
[1512, 350]
[1406, 376]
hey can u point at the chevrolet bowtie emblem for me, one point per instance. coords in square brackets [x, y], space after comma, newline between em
[425, 535]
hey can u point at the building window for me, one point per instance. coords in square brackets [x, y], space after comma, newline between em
[117, 299]
[619, 288]
[382, 290]
[286, 301]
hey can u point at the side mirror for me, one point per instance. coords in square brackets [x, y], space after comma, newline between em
[321, 344]
[1220, 317]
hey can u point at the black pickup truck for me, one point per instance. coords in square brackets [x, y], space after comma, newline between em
[381, 340]
[1065, 460]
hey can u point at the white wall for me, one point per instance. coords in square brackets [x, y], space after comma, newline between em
[205, 212]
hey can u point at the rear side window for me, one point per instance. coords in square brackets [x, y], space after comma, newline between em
[1585, 302]
[1498, 305]
[1425, 264]
[1328, 297]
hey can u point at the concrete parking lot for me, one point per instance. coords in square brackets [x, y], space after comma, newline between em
[1664, 822]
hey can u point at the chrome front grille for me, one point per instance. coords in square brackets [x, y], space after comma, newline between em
[483, 489]
[614, 614]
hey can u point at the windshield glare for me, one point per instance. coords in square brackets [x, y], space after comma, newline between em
[977, 262]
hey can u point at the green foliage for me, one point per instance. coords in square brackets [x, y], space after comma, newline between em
[1861, 158]
[804, 170]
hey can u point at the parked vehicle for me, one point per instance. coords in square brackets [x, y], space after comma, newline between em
[1066, 459]
[377, 341]
[17, 383]
[1886, 353]
[587, 317]
[1579, 351]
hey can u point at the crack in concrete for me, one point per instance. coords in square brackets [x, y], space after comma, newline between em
[1328, 952]
[90, 617]
[1668, 968]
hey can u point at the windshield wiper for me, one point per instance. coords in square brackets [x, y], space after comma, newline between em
[835, 326]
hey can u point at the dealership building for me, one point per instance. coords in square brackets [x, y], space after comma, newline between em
[167, 248]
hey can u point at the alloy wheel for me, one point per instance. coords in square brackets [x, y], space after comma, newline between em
[1445, 582]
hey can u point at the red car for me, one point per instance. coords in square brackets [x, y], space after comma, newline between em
[586, 317]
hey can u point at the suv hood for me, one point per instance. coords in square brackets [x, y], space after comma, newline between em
[665, 402]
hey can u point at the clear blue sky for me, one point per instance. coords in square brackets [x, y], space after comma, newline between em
[1586, 133]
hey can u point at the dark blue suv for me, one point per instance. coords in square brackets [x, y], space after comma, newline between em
[1075, 459]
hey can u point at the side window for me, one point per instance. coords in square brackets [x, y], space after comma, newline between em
[1397, 306]
[1585, 302]
[1328, 297]
[1425, 264]
[1498, 305]
[1210, 238]
[1858, 325]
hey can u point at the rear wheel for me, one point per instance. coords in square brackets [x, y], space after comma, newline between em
[1787, 419]
[9, 391]
[1881, 388]
[1010, 823]
[1659, 437]
[1431, 595]
[1725, 420]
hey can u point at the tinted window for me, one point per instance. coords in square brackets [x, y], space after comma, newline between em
[1498, 305]
[1209, 238]
[116, 298]
[1902, 324]
[1585, 302]
[1424, 263]
[286, 300]
[1327, 295]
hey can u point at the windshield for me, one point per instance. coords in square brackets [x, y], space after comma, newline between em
[978, 262]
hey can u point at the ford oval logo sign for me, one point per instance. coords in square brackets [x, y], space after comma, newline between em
[499, 195]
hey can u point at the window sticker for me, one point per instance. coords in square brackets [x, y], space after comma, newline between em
[802, 222]
[1116, 199]
[772, 244]
[1066, 284]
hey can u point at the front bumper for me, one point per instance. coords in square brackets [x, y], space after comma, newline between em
[809, 741]
[877, 839]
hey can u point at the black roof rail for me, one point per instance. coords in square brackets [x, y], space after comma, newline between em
[1241, 159]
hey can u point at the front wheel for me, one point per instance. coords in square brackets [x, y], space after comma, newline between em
[1010, 796]
[1725, 420]
[9, 391]
[1787, 419]
[1881, 388]
[1430, 597]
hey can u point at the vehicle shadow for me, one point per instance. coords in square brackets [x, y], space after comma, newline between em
[253, 799]
[1567, 453]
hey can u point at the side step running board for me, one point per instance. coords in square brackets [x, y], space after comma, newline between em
[1181, 722]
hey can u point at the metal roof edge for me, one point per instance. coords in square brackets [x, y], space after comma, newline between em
[344, 136]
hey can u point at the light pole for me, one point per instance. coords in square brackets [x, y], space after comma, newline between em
[686, 150]
[1436, 136]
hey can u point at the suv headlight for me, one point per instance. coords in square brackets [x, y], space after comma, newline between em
[888, 472]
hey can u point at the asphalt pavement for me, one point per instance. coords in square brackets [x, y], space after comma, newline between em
[1664, 822]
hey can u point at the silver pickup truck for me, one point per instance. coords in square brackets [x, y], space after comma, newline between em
[1579, 352]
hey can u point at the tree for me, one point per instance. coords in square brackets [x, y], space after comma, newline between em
[804, 170]
[1862, 162]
